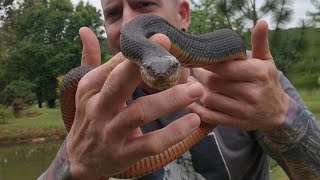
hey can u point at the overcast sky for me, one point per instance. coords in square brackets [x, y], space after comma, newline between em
[300, 8]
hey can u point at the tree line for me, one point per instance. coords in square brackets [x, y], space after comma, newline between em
[39, 40]
[294, 50]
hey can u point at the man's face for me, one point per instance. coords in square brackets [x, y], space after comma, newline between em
[117, 13]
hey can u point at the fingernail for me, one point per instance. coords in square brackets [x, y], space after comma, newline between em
[191, 79]
[194, 121]
[195, 89]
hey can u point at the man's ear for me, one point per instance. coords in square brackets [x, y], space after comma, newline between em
[184, 14]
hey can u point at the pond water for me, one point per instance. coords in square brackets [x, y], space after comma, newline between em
[27, 161]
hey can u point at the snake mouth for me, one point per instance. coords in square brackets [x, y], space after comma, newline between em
[161, 82]
[160, 72]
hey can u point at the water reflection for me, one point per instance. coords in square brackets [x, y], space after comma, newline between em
[26, 161]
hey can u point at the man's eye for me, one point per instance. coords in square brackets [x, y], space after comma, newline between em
[146, 4]
[112, 14]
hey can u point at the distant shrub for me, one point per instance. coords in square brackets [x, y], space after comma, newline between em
[18, 95]
[305, 81]
[59, 79]
[5, 114]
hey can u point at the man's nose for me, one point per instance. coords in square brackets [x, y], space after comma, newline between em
[127, 15]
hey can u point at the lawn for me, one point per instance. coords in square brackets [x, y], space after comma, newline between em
[34, 123]
[312, 100]
[278, 174]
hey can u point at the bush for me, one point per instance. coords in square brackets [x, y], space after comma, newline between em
[304, 81]
[19, 95]
[5, 114]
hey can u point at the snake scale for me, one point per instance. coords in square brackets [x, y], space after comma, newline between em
[160, 70]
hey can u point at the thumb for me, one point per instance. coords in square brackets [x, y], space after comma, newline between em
[91, 54]
[162, 40]
[260, 43]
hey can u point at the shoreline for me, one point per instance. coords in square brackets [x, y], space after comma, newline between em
[29, 136]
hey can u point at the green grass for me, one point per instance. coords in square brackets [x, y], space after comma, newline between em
[39, 118]
[278, 174]
[312, 100]
[35, 123]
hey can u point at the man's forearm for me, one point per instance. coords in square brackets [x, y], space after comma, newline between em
[296, 146]
[60, 167]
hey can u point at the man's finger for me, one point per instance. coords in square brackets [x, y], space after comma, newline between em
[91, 54]
[260, 43]
[94, 80]
[158, 141]
[213, 117]
[162, 40]
[149, 108]
[233, 70]
[119, 85]
[124, 79]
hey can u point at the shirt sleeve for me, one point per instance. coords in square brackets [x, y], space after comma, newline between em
[296, 145]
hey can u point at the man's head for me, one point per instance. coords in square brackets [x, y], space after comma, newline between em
[117, 13]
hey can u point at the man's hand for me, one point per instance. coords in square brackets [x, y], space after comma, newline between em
[243, 94]
[105, 138]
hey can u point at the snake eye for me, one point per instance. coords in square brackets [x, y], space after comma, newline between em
[175, 66]
[148, 67]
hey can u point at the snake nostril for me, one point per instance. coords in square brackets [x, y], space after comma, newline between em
[175, 65]
[148, 67]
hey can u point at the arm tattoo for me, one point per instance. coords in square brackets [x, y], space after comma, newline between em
[296, 147]
[60, 167]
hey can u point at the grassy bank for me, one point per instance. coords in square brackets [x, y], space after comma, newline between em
[34, 124]
[312, 100]
[277, 173]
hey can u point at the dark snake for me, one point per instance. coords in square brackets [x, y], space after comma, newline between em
[160, 69]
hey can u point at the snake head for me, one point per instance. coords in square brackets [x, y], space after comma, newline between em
[160, 72]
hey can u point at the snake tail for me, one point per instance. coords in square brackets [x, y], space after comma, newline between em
[156, 162]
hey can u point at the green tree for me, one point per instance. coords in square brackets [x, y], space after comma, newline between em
[286, 49]
[7, 8]
[242, 16]
[235, 14]
[7, 22]
[18, 94]
[208, 15]
[49, 44]
[253, 11]
[4, 56]
[288, 46]
[315, 16]
[305, 71]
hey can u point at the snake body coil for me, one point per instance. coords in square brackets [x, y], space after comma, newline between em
[160, 70]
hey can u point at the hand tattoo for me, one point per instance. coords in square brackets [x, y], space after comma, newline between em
[60, 167]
